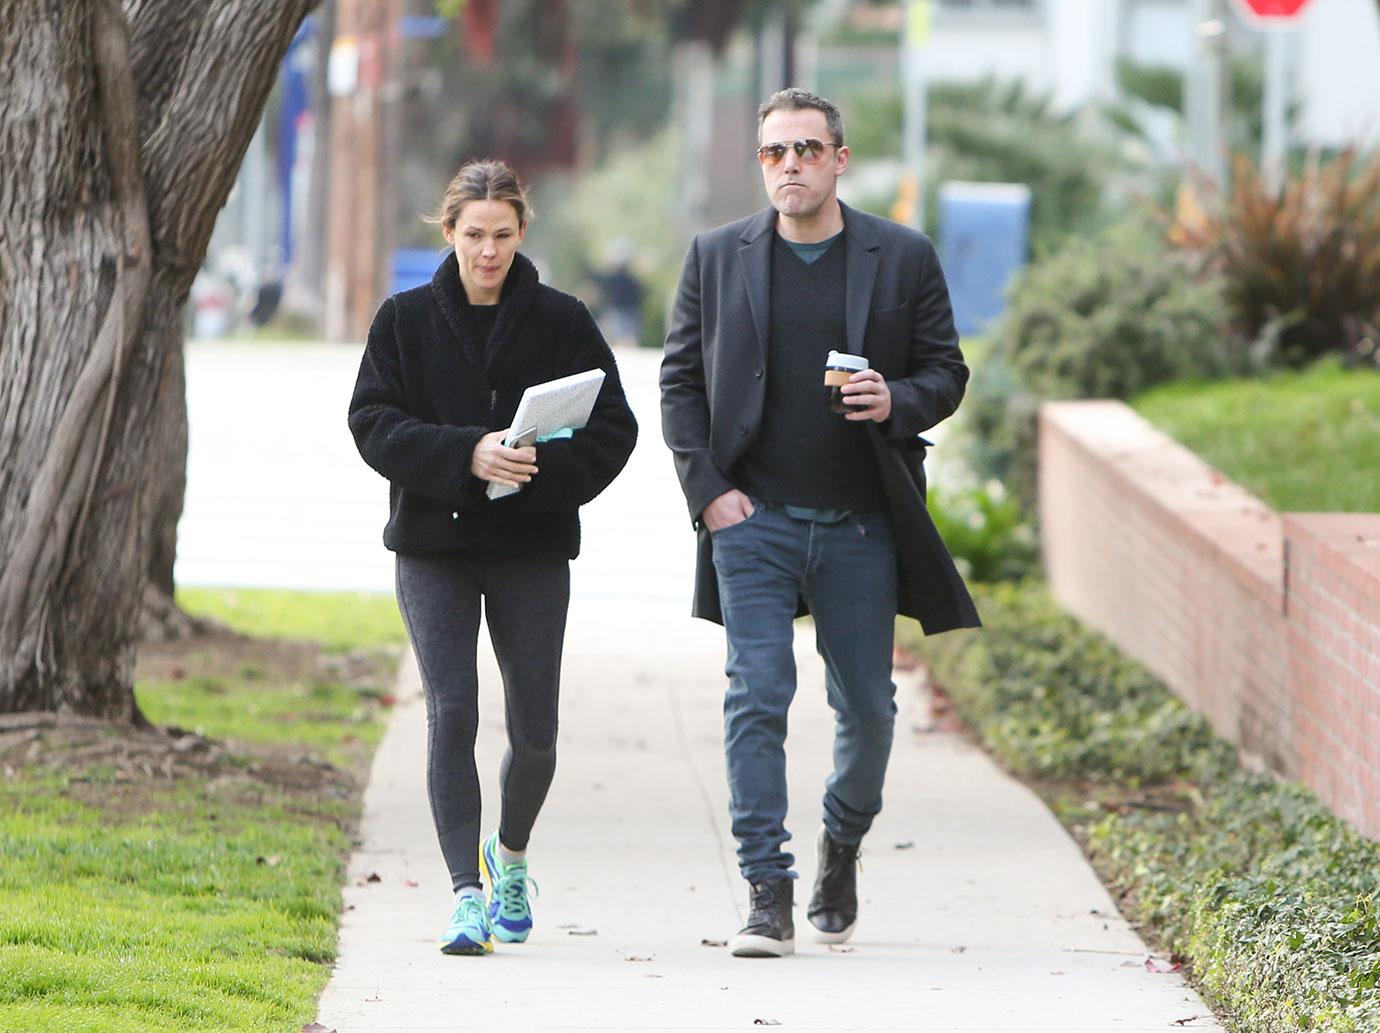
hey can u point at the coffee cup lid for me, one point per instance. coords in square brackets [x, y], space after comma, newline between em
[843, 360]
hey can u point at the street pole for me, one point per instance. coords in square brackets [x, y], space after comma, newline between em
[910, 205]
[1274, 145]
[1204, 98]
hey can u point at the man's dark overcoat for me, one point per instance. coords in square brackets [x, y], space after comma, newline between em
[713, 379]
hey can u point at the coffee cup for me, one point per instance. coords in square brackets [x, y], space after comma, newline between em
[839, 368]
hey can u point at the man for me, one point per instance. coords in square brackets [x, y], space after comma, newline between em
[799, 509]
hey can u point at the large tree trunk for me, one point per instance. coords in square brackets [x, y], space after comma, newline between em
[160, 618]
[120, 134]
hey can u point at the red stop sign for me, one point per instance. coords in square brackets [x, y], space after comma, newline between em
[1272, 12]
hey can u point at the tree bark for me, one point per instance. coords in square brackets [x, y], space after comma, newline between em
[120, 135]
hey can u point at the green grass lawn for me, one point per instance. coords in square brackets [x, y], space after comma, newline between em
[1302, 442]
[337, 620]
[131, 902]
[332, 720]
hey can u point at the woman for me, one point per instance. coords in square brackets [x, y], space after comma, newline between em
[442, 374]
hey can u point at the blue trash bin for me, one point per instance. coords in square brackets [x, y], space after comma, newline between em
[983, 234]
[414, 266]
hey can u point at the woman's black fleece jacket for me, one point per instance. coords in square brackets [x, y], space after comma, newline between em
[428, 391]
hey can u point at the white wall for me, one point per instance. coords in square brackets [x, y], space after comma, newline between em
[1084, 38]
[1069, 47]
[964, 48]
[1337, 72]
[1158, 32]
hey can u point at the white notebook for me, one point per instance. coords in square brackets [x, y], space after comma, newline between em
[550, 407]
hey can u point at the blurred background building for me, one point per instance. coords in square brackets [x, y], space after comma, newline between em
[634, 122]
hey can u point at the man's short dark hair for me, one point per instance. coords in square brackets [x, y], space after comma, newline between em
[793, 98]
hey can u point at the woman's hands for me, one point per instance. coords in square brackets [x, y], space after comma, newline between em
[492, 461]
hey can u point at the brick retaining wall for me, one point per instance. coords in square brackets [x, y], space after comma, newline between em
[1187, 572]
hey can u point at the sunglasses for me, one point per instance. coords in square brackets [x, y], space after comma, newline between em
[809, 151]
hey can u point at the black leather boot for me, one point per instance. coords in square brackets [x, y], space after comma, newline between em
[770, 929]
[833, 907]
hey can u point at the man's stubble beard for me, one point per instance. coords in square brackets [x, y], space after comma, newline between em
[782, 207]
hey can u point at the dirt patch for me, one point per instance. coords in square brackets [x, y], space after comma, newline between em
[225, 654]
[126, 769]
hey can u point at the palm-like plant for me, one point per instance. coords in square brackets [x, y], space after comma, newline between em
[1301, 266]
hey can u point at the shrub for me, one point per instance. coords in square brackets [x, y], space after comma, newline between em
[991, 131]
[1300, 267]
[1053, 700]
[1162, 87]
[1270, 898]
[1105, 317]
[985, 531]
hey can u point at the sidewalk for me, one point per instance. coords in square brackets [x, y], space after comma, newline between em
[978, 912]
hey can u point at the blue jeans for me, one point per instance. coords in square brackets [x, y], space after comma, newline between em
[846, 572]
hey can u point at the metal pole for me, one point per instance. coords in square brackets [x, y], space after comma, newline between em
[910, 206]
[1204, 97]
[1274, 146]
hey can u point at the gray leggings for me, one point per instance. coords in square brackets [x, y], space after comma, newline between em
[525, 603]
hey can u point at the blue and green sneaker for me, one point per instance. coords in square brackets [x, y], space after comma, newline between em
[510, 915]
[468, 932]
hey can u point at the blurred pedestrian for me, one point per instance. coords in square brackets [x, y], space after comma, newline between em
[620, 294]
[808, 498]
[442, 373]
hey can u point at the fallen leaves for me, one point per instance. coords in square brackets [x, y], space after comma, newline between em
[713, 943]
[1153, 964]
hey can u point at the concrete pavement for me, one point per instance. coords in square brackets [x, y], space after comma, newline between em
[978, 912]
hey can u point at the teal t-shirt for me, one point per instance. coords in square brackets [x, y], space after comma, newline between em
[810, 253]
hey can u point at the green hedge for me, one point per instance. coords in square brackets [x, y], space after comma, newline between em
[1107, 316]
[1268, 896]
[985, 530]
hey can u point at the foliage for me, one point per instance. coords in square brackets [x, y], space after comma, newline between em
[991, 131]
[629, 199]
[605, 68]
[985, 530]
[1108, 317]
[1105, 317]
[1295, 440]
[1269, 897]
[337, 620]
[1054, 701]
[1163, 87]
[1156, 85]
[1301, 267]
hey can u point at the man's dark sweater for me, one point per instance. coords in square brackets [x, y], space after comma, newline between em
[804, 455]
